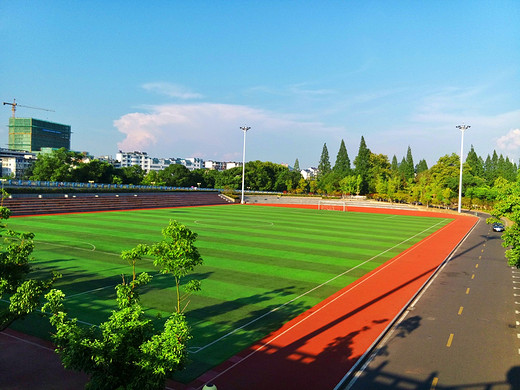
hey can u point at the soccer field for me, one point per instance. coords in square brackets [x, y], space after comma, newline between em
[262, 265]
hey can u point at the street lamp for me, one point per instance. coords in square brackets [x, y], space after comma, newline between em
[244, 129]
[462, 128]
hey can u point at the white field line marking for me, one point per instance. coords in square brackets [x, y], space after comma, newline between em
[100, 288]
[78, 248]
[313, 289]
[41, 312]
[69, 246]
[385, 265]
[90, 291]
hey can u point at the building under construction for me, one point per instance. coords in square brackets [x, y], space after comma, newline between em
[29, 134]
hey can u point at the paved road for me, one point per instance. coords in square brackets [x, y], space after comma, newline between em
[461, 333]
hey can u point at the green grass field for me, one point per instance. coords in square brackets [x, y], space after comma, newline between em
[262, 265]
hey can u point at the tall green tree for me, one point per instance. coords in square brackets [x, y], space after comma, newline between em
[403, 168]
[475, 163]
[324, 164]
[421, 167]
[297, 166]
[394, 167]
[410, 166]
[177, 255]
[362, 165]
[342, 165]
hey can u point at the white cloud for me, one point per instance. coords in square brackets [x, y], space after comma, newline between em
[510, 141]
[171, 90]
[212, 131]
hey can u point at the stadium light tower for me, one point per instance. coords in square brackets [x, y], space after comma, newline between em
[462, 129]
[244, 129]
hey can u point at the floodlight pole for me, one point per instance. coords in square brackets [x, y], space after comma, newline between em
[244, 129]
[462, 129]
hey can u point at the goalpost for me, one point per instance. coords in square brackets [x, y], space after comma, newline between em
[335, 205]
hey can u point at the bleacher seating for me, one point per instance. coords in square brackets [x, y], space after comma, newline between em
[47, 204]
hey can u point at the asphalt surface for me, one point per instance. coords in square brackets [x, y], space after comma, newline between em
[460, 333]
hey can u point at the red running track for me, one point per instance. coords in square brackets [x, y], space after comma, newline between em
[316, 349]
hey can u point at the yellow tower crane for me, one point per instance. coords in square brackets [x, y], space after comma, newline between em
[14, 105]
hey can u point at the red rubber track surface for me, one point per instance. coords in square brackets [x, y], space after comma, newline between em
[317, 348]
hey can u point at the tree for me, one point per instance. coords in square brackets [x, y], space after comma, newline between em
[394, 166]
[410, 167]
[362, 163]
[342, 165]
[379, 170]
[297, 165]
[15, 268]
[475, 163]
[507, 205]
[132, 175]
[177, 255]
[176, 175]
[126, 351]
[230, 178]
[421, 167]
[95, 170]
[329, 183]
[350, 184]
[324, 165]
[152, 178]
[55, 166]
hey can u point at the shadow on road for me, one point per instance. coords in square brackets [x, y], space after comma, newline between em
[378, 379]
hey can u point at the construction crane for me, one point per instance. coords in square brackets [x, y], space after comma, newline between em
[14, 105]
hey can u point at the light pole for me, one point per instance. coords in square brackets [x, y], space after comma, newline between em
[244, 129]
[462, 129]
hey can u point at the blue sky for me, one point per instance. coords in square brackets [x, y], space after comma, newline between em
[179, 78]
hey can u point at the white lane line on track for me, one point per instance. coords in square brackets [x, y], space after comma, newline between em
[28, 342]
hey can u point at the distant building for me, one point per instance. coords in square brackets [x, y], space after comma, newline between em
[309, 173]
[110, 160]
[215, 165]
[31, 135]
[232, 164]
[191, 163]
[147, 163]
[221, 165]
[128, 159]
[15, 163]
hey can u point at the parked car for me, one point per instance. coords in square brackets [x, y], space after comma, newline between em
[498, 227]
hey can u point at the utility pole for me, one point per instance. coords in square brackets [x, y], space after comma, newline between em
[244, 129]
[462, 128]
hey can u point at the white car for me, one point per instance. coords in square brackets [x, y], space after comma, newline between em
[498, 227]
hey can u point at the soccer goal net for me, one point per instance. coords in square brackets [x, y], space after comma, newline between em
[335, 205]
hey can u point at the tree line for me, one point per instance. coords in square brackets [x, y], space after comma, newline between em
[376, 176]
[370, 174]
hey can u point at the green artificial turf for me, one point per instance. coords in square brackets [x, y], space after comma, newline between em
[262, 265]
